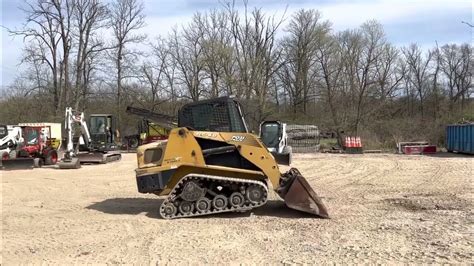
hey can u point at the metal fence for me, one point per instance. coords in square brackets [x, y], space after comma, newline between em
[303, 138]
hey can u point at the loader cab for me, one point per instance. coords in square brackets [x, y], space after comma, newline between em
[34, 141]
[3, 131]
[273, 135]
[103, 131]
[222, 114]
[33, 135]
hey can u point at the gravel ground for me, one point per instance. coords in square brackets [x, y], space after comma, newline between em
[385, 208]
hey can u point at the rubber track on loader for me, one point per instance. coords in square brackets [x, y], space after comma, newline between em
[175, 199]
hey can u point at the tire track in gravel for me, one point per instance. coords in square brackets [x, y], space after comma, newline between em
[96, 216]
[326, 171]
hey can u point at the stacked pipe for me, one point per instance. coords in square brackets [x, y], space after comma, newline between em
[353, 144]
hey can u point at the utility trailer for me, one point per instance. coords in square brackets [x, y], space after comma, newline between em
[415, 147]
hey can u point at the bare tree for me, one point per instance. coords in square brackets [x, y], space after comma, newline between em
[187, 53]
[435, 78]
[256, 55]
[164, 61]
[217, 52]
[361, 49]
[42, 30]
[418, 71]
[329, 60]
[388, 72]
[89, 17]
[153, 74]
[126, 18]
[467, 23]
[456, 64]
[298, 71]
[63, 15]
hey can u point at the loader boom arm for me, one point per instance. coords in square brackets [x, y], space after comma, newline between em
[166, 121]
[74, 117]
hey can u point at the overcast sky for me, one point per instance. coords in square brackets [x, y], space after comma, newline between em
[405, 21]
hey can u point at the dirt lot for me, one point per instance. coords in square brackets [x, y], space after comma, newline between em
[384, 208]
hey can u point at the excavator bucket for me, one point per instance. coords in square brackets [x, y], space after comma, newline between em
[299, 195]
[72, 163]
[282, 158]
[18, 164]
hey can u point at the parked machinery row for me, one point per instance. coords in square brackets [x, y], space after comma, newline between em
[210, 163]
[29, 145]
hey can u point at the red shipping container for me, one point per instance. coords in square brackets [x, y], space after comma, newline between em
[419, 149]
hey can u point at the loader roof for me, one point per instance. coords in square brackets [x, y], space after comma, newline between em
[219, 114]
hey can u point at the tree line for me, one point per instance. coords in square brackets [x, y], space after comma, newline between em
[91, 55]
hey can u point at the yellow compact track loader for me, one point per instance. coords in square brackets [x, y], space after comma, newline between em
[211, 164]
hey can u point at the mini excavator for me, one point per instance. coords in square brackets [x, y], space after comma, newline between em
[96, 144]
[211, 164]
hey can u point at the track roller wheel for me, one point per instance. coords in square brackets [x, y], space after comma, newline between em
[237, 199]
[169, 210]
[186, 207]
[254, 194]
[203, 205]
[219, 202]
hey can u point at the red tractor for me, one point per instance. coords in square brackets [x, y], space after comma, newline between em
[39, 147]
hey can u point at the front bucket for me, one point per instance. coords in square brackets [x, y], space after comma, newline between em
[282, 158]
[299, 195]
[18, 164]
[73, 163]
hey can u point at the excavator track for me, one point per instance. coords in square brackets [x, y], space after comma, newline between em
[113, 158]
[198, 194]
